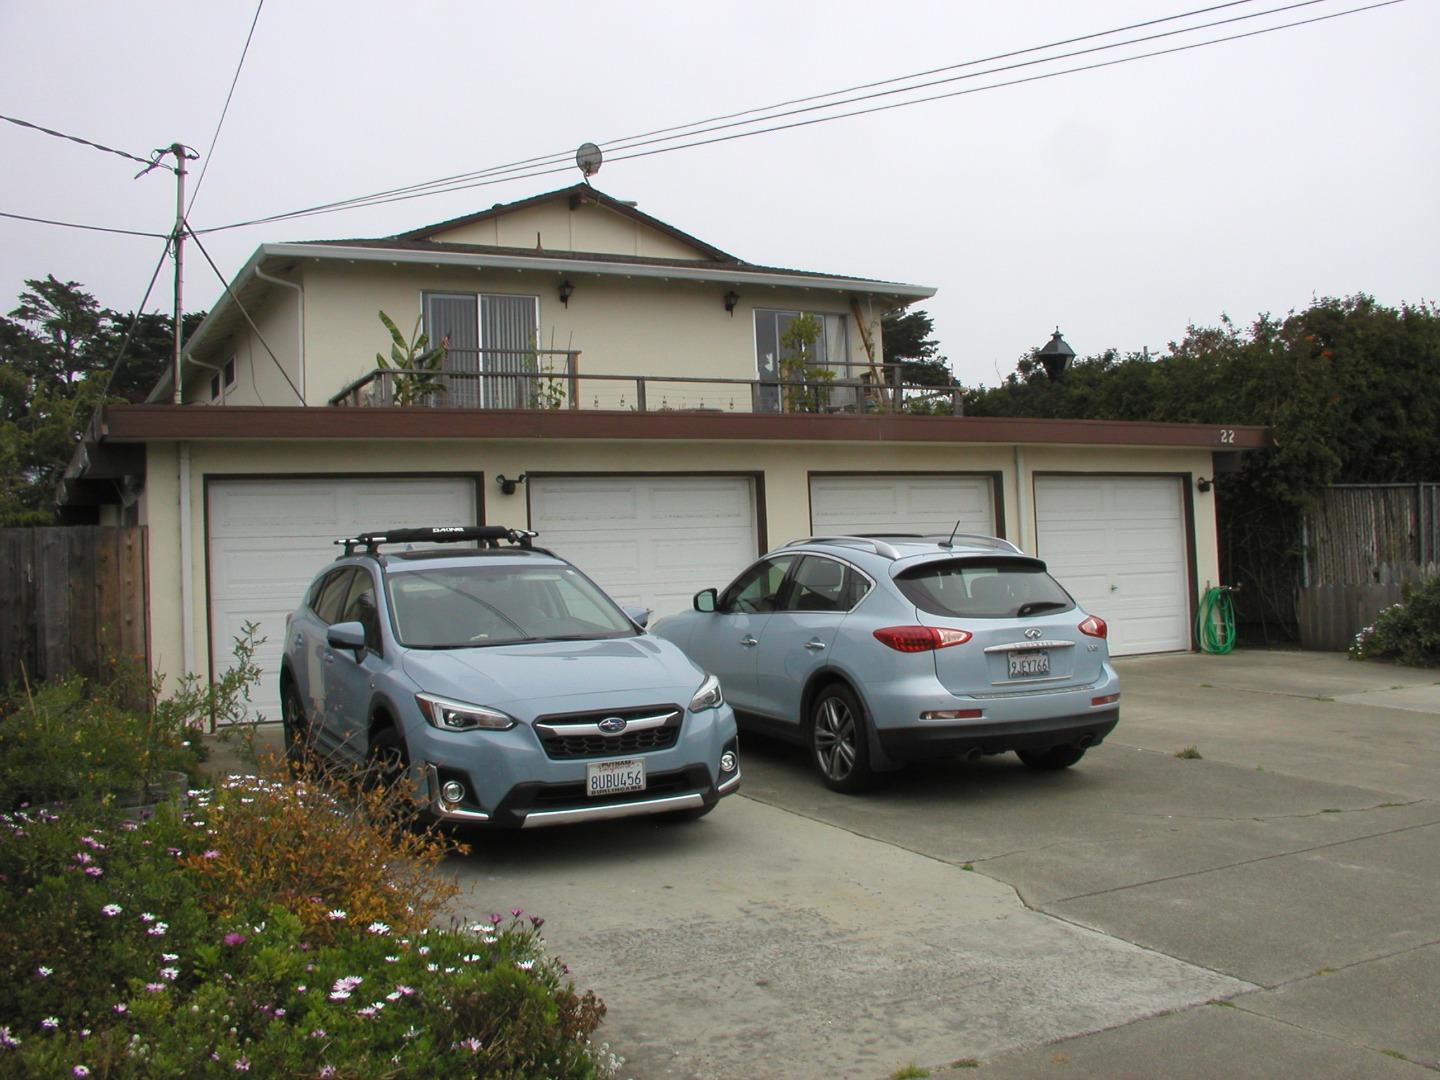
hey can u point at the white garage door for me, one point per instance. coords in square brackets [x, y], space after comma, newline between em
[1117, 543]
[268, 538]
[654, 541]
[913, 503]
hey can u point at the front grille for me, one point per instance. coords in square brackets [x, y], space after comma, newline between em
[562, 746]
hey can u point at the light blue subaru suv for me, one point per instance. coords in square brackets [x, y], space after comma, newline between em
[513, 691]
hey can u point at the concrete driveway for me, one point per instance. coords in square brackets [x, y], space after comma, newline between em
[1269, 909]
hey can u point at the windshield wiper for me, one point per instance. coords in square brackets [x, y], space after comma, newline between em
[1035, 606]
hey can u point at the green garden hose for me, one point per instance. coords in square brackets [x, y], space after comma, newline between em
[1215, 621]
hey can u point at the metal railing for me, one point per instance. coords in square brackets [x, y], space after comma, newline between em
[551, 385]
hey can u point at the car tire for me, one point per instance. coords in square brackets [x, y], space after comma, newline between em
[388, 761]
[1052, 758]
[839, 740]
[293, 725]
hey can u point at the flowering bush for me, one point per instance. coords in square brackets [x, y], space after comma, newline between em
[1408, 632]
[121, 959]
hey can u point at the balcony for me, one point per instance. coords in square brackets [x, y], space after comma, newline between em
[551, 379]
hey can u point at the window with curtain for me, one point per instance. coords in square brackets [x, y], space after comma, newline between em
[491, 336]
[832, 351]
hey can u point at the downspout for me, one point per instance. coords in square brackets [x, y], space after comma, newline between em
[187, 568]
[299, 321]
[1021, 516]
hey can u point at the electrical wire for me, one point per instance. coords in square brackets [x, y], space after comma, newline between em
[413, 193]
[564, 156]
[134, 322]
[77, 139]
[77, 225]
[224, 111]
[255, 329]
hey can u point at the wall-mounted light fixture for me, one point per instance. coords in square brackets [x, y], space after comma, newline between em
[1203, 485]
[507, 486]
[566, 291]
[731, 299]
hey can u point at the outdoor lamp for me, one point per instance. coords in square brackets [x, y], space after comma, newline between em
[566, 291]
[731, 299]
[1056, 356]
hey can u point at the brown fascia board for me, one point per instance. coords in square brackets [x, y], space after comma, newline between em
[575, 191]
[236, 423]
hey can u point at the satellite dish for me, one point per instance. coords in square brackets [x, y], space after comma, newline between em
[588, 159]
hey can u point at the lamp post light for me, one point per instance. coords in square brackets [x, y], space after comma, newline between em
[1056, 356]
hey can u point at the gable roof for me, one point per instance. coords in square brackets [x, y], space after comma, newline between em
[576, 195]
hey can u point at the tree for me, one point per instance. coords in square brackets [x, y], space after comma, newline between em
[58, 349]
[907, 341]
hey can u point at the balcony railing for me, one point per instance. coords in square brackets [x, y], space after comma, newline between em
[550, 379]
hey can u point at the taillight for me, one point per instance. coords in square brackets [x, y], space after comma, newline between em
[920, 638]
[1094, 626]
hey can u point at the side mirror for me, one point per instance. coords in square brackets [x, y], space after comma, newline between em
[640, 616]
[706, 600]
[346, 635]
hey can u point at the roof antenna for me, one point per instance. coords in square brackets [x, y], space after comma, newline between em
[951, 542]
[588, 159]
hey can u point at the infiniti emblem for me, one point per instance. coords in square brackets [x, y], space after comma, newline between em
[1032, 632]
[612, 725]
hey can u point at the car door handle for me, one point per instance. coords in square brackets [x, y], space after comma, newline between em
[749, 641]
[814, 646]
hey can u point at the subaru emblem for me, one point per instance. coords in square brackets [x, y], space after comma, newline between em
[612, 725]
[1032, 632]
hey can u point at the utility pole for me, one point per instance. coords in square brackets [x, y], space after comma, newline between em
[182, 154]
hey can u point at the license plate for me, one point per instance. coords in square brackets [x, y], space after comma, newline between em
[1026, 664]
[612, 777]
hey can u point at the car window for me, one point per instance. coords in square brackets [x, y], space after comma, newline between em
[360, 607]
[758, 589]
[466, 606]
[984, 588]
[822, 584]
[331, 595]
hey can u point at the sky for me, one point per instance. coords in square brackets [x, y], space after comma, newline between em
[1121, 204]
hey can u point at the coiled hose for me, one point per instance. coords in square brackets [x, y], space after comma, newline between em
[1215, 621]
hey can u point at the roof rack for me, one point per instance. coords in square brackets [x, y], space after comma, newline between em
[489, 536]
[880, 541]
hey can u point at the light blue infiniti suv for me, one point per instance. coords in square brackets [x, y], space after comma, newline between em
[509, 686]
[874, 651]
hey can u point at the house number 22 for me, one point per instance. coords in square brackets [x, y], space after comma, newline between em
[1227, 435]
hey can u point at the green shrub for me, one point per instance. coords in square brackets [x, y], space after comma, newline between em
[117, 959]
[1407, 632]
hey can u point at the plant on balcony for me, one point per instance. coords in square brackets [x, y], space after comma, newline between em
[803, 380]
[414, 364]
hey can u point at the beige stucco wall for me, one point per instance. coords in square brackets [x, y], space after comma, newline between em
[786, 468]
[621, 326]
[553, 226]
[260, 378]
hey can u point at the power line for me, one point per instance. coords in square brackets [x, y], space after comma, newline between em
[221, 122]
[77, 225]
[130, 332]
[148, 162]
[559, 157]
[414, 192]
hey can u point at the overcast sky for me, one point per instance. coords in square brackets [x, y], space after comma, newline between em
[1121, 204]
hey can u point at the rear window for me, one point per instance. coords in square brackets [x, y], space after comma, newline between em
[990, 588]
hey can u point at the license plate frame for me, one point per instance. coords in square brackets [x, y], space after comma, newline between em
[1030, 664]
[618, 777]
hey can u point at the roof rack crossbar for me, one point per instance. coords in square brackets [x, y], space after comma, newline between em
[880, 546]
[488, 536]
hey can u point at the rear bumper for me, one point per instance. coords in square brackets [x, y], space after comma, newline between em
[911, 743]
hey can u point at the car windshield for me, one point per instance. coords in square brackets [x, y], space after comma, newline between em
[458, 607]
[983, 588]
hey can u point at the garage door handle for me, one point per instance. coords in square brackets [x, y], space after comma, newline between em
[814, 646]
[1114, 588]
[749, 641]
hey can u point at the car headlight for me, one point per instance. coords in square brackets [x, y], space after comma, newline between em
[708, 696]
[450, 715]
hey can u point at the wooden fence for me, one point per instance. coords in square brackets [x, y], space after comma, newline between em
[71, 599]
[1362, 545]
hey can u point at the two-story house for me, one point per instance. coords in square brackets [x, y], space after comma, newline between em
[658, 410]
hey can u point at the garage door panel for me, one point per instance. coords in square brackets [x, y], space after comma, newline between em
[650, 541]
[269, 538]
[905, 503]
[1118, 546]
